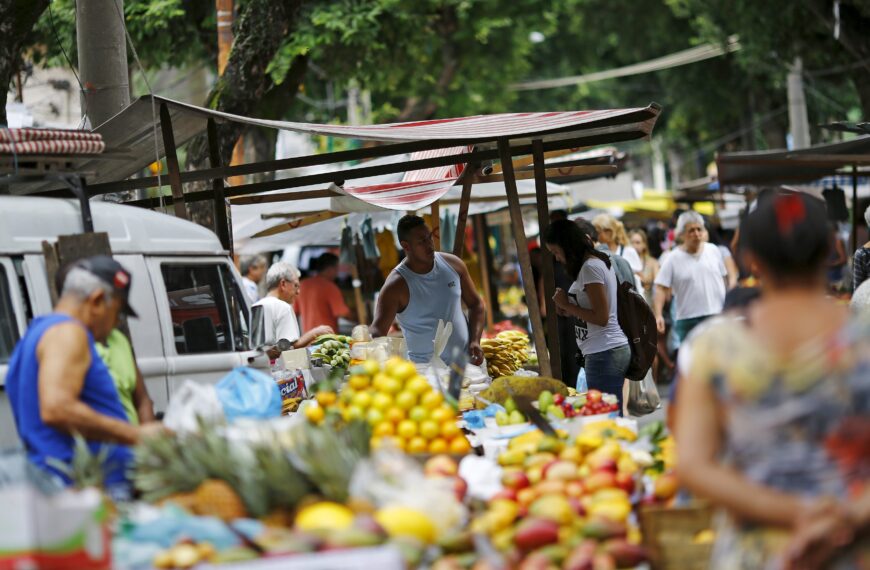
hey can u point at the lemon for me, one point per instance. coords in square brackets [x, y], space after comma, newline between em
[403, 521]
[406, 400]
[390, 385]
[326, 398]
[346, 395]
[324, 516]
[418, 384]
[371, 367]
[442, 414]
[358, 381]
[362, 400]
[438, 445]
[378, 381]
[383, 429]
[449, 429]
[418, 414]
[374, 416]
[353, 413]
[314, 414]
[429, 429]
[400, 369]
[432, 399]
[417, 445]
[395, 414]
[381, 401]
[460, 445]
[407, 429]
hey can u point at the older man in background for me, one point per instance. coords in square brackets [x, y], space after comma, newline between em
[252, 268]
[280, 327]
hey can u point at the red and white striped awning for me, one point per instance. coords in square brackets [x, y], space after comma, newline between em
[418, 188]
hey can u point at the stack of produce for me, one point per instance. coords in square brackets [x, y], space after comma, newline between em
[519, 386]
[333, 349]
[400, 406]
[506, 353]
[566, 504]
[591, 403]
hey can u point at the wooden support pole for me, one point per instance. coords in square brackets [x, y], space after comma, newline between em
[221, 222]
[435, 214]
[483, 261]
[357, 284]
[547, 269]
[462, 218]
[172, 162]
[519, 231]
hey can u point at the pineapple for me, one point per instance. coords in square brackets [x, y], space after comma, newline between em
[328, 456]
[217, 498]
[86, 469]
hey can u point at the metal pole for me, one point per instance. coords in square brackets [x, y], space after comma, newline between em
[102, 50]
[547, 268]
[855, 212]
[519, 231]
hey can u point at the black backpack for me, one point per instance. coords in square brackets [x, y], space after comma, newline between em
[638, 322]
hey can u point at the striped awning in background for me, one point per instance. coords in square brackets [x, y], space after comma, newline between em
[418, 188]
[50, 141]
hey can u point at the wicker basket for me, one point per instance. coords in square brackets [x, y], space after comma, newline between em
[669, 534]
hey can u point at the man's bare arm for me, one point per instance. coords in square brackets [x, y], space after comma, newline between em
[391, 301]
[660, 297]
[64, 359]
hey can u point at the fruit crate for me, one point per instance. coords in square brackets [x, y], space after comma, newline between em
[669, 536]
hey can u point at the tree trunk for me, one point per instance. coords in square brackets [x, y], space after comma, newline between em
[17, 18]
[262, 27]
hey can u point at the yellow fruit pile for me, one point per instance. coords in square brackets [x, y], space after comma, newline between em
[506, 353]
[401, 407]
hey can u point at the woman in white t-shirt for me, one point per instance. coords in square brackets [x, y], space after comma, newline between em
[591, 300]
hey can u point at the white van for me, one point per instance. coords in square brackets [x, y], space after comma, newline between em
[194, 319]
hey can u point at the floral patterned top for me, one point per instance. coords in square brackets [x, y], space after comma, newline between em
[800, 425]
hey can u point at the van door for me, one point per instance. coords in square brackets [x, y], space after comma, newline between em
[12, 324]
[204, 315]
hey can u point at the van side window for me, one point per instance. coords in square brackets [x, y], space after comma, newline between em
[203, 309]
[8, 324]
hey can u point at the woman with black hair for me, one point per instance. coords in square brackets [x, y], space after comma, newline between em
[773, 423]
[591, 300]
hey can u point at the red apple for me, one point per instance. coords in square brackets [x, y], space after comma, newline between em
[460, 487]
[441, 465]
[625, 481]
[507, 493]
[515, 480]
[593, 397]
[599, 462]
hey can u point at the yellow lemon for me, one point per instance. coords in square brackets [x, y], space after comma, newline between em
[418, 414]
[432, 399]
[374, 416]
[353, 413]
[406, 429]
[383, 429]
[362, 400]
[403, 521]
[381, 401]
[346, 395]
[395, 414]
[449, 429]
[460, 445]
[406, 400]
[378, 381]
[400, 369]
[417, 445]
[429, 429]
[324, 516]
[418, 384]
[390, 386]
[314, 414]
[442, 414]
[326, 398]
[438, 445]
[371, 367]
[358, 381]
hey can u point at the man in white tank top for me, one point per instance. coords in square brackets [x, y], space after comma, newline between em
[426, 287]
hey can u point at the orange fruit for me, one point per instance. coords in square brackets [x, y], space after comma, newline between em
[407, 429]
[395, 414]
[429, 429]
[460, 445]
[432, 399]
[438, 445]
[383, 429]
[417, 445]
[450, 430]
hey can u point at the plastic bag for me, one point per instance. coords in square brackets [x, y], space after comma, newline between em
[643, 396]
[437, 371]
[581, 386]
[192, 400]
[248, 393]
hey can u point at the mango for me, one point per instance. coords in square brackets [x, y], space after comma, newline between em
[625, 554]
[603, 529]
[534, 533]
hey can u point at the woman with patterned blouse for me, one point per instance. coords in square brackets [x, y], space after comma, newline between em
[773, 424]
[861, 260]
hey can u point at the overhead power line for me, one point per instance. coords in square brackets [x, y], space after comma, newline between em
[685, 57]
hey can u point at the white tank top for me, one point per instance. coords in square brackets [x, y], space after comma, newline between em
[433, 296]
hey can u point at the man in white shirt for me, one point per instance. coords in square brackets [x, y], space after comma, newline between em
[280, 328]
[252, 268]
[696, 276]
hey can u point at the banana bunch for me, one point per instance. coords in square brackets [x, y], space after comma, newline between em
[506, 353]
[333, 350]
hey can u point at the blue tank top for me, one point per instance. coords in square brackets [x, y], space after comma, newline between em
[434, 295]
[98, 392]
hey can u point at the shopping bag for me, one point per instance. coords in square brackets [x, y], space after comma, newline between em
[643, 396]
[193, 400]
[249, 393]
[581, 387]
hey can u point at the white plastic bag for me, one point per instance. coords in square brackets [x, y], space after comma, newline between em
[437, 371]
[192, 400]
[643, 396]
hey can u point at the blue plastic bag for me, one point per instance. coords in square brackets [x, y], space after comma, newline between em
[581, 382]
[248, 393]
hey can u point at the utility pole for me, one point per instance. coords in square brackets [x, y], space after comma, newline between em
[798, 124]
[102, 47]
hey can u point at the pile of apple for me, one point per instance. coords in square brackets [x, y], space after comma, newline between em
[591, 403]
[566, 504]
